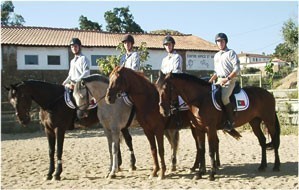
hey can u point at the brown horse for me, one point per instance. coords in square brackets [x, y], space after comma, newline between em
[197, 94]
[145, 98]
[55, 115]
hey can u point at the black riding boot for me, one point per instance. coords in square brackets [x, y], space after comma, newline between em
[230, 117]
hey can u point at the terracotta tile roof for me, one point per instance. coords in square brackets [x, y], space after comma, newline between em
[253, 55]
[44, 36]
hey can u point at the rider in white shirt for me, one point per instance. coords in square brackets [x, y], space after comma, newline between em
[173, 61]
[131, 59]
[79, 65]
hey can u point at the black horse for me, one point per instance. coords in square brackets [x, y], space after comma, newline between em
[55, 116]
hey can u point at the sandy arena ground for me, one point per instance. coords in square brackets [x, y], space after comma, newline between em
[85, 162]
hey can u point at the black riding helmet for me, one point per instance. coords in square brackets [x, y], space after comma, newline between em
[221, 36]
[168, 39]
[128, 38]
[75, 41]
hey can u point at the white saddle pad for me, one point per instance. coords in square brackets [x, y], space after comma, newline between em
[242, 100]
[69, 102]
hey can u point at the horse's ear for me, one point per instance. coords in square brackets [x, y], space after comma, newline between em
[7, 88]
[82, 83]
[161, 74]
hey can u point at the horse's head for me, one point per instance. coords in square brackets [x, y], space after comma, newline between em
[21, 101]
[167, 94]
[117, 85]
[82, 98]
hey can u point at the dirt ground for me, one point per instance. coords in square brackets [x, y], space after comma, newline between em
[85, 161]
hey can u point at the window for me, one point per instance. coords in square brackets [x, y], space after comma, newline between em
[95, 57]
[53, 60]
[31, 60]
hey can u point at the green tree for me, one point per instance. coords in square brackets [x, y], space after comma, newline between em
[85, 24]
[288, 50]
[121, 20]
[8, 17]
[106, 65]
[166, 31]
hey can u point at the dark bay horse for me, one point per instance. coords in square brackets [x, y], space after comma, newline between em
[197, 94]
[55, 115]
[145, 98]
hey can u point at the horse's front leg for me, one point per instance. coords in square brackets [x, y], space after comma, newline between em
[160, 141]
[212, 138]
[128, 140]
[115, 149]
[200, 158]
[151, 139]
[109, 139]
[60, 140]
[173, 137]
[51, 142]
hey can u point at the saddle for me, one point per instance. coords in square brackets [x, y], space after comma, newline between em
[69, 100]
[239, 98]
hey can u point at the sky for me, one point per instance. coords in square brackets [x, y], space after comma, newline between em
[251, 26]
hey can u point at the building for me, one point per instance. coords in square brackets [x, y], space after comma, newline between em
[43, 53]
[258, 61]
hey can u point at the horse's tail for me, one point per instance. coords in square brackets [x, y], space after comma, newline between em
[275, 142]
[234, 134]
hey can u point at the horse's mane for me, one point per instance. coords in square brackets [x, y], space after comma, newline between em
[39, 82]
[96, 77]
[188, 77]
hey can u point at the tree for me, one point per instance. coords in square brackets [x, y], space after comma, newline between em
[288, 50]
[8, 17]
[121, 20]
[106, 65]
[85, 24]
[166, 31]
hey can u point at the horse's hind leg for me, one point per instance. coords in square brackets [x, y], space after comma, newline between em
[51, 143]
[60, 139]
[173, 137]
[256, 127]
[128, 140]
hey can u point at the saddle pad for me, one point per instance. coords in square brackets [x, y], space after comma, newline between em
[68, 101]
[126, 99]
[242, 101]
[183, 106]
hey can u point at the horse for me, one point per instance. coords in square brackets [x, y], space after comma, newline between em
[197, 94]
[92, 89]
[55, 115]
[145, 98]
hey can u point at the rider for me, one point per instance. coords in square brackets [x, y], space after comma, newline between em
[131, 59]
[227, 67]
[79, 65]
[173, 61]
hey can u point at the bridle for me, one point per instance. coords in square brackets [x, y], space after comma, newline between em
[93, 101]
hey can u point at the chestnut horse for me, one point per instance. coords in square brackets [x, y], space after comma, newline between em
[197, 94]
[145, 98]
[55, 115]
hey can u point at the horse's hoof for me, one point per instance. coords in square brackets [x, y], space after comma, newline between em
[262, 169]
[57, 178]
[133, 168]
[212, 178]
[173, 168]
[111, 176]
[161, 177]
[191, 170]
[49, 177]
[198, 176]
